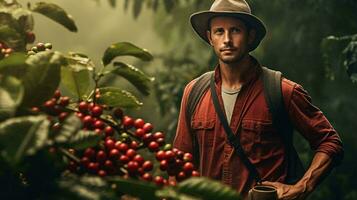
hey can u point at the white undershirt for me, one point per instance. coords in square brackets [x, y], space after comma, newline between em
[229, 97]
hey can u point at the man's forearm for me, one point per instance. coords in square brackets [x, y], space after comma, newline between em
[319, 168]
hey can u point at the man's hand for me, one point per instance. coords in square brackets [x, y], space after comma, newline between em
[287, 192]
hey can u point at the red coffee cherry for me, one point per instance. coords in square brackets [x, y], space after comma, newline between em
[153, 146]
[85, 161]
[180, 154]
[147, 165]
[160, 155]
[124, 159]
[108, 164]
[158, 135]
[181, 176]
[57, 94]
[93, 167]
[147, 138]
[169, 155]
[160, 141]
[139, 132]
[188, 168]
[109, 144]
[97, 111]
[139, 123]
[40, 46]
[50, 104]
[114, 154]
[123, 147]
[109, 131]
[128, 122]
[99, 124]
[134, 145]
[133, 166]
[159, 180]
[102, 173]
[195, 173]
[88, 121]
[187, 157]
[64, 101]
[83, 107]
[148, 127]
[164, 165]
[147, 177]
[30, 37]
[130, 153]
[89, 152]
[138, 158]
[62, 116]
[101, 156]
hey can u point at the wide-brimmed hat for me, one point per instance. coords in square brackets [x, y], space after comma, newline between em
[233, 8]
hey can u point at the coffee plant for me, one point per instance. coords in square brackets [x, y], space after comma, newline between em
[64, 133]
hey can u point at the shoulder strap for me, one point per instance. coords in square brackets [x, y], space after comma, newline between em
[198, 89]
[274, 98]
[233, 139]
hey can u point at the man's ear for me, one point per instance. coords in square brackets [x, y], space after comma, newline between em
[208, 33]
[251, 36]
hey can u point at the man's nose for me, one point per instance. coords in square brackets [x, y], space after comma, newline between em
[227, 38]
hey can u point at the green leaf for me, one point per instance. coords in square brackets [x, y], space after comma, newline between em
[207, 189]
[138, 4]
[42, 77]
[23, 136]
[10, 33]
[125, 49]
[14, 65]
[112, 3]
[84, 139]
[11, 94]
[71, 135]
[116, 97]
[171, 193]
[57, 14]
[135, 76]
[77, 81]
[137, 188]
[84, 188]
[25, 19]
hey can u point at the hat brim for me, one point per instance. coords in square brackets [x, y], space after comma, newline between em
[199, 22]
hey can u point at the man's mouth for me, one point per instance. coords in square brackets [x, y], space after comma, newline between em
[227, 49]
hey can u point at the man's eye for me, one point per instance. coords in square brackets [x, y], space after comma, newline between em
[218, 31]
[235, 30]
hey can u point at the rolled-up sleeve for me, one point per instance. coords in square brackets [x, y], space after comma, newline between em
[183, 138]
[313, 125]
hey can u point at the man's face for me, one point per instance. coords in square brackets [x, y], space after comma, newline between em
[230, 39]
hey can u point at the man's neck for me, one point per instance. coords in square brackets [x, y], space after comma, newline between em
[232, 74]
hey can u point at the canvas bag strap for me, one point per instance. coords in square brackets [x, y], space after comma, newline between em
[233, 140]
[198, 89]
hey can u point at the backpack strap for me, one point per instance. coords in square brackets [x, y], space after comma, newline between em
[274, 98]
[198, 89]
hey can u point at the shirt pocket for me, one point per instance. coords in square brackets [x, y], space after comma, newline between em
[259, 139]
[204, 130]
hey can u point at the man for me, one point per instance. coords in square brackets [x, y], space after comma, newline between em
[233, 32]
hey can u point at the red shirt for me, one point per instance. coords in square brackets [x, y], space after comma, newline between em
[258, 137]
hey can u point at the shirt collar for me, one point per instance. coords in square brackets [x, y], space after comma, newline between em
[252, 74]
